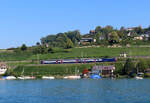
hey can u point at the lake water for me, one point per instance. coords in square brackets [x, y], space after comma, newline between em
[75, 91]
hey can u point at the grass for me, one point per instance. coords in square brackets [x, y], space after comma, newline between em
[12, 56]
[55, 69]
[27, 61]
[76, 53]
[51, 69]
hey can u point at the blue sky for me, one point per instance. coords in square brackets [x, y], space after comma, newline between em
[26, 21]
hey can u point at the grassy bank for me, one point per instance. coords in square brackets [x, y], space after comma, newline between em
[56, 69]
[76, 52]
[51, 70]
[26, 61]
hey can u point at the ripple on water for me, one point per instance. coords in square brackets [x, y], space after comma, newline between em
[75, 91]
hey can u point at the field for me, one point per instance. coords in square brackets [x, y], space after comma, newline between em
[29, 63]
[56, 69]
[92, 52]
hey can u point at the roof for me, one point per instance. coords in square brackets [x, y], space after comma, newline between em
[87, 38]
[110, 67]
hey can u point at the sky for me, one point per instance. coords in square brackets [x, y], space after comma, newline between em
[26, 21]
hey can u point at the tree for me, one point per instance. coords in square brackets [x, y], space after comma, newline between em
[36, 50]
[98, 37]
[121, 32]
[74, 36]
[23, 47]
[119, 69]
[47, 39]
[142, 66]
[98, 29]
[148, 28]
[50, 50]
[69, 44]
[113, 37]
[106, 30]
[138, 30]
[128, 67]
[38, 44]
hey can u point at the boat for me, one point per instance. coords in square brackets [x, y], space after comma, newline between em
[137, 77]
[9, 77]
[48, 77]
[95, 76]
[72, 77]
[26, 77]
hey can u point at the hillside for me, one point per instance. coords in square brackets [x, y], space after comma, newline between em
[88, 52]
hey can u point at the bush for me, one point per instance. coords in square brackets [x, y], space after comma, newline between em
[38, 76]
[119, 69]
[23, 47]
[147, 75]
[128, 67]
[142, 65]
[132, 75]
[67, 50]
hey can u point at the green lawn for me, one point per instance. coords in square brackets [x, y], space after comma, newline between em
[96, 52]
[76, 53]
[55, 69]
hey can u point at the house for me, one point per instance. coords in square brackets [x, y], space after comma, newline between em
[130, 29]
[148, 32]
[102, 37]
[123, 54]
[129, 34]
[84, 41]
[92, 32]
[104, 70]
[145, 36]
[3, 68]
[138, 38]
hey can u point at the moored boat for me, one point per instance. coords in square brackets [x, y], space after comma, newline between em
[137, 77]
[72, 77]
[26, 77]
[9, 78]
[95, 76]
[48, 77]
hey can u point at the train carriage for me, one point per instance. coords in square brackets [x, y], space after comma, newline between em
[72, 61]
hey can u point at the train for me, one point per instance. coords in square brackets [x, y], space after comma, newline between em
[73, 61]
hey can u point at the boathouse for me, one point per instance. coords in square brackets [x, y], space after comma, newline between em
[103, 70]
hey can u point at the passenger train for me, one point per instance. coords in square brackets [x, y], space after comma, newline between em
[72, 61]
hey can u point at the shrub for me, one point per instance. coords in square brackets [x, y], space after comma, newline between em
[67, 50]
[142, 65]
[23, 47]
[147, 75]
[128, 67]
[119, 68]
[132, 75]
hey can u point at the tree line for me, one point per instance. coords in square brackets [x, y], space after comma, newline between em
[107, 35]
[103, 35]
[131, 68]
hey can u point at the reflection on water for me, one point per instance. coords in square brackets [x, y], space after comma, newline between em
[75, 91]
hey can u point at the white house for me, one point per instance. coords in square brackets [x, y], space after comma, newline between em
[138, 38]
[3, 68]
[123, 54]
[88, 40]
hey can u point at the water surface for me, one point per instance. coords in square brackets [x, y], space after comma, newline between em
[75, 91]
